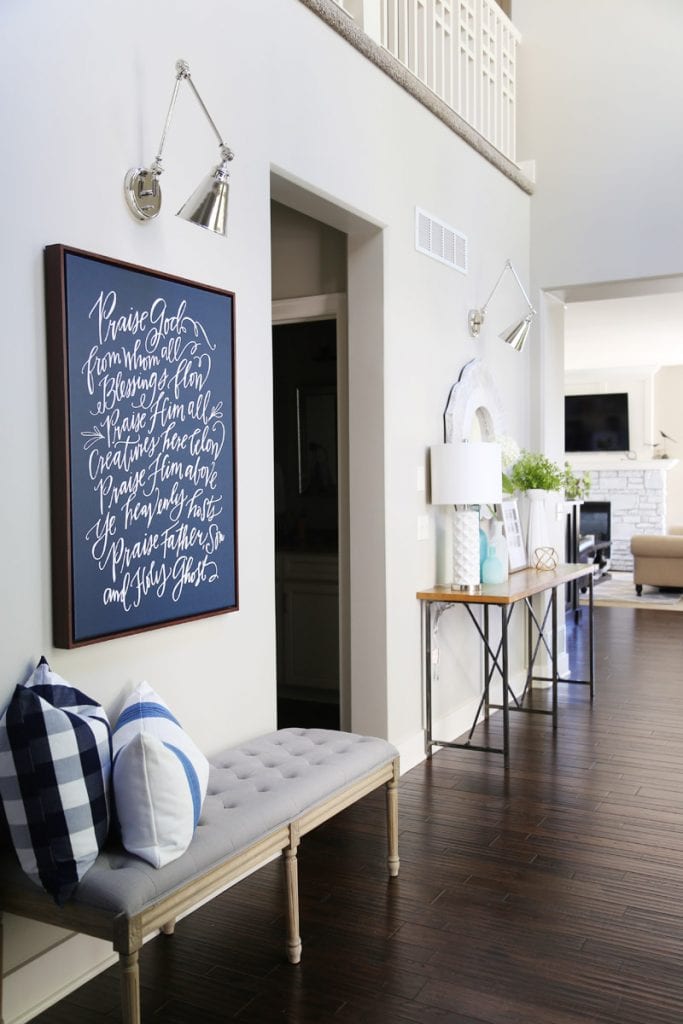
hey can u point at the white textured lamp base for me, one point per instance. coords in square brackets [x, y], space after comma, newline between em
[466, 574]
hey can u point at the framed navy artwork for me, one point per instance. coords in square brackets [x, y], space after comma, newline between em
[141, 389]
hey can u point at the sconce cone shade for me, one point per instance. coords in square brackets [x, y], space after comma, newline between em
[208, 204]
[516, 334]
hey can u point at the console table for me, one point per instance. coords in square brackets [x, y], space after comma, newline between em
[519, 588]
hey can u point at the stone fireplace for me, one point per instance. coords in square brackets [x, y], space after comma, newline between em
[636, 493]
[596, 519]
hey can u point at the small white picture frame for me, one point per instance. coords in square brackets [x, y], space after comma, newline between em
[512, 528]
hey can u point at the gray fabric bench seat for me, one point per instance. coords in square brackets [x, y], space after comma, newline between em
[262, 797]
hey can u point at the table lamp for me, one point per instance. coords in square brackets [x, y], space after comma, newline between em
[466, 474]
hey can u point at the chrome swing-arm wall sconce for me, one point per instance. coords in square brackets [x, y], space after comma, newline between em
[208, 204]
[514, 335]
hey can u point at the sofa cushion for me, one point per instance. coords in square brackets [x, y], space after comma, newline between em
[55, 762]
[159, 779]
[657, 545]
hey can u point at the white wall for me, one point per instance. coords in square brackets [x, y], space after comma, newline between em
[89, 95]
[307, 257]
[599, 106]
[638, 330]
[668, 388]
[600, 85]
[654, 391]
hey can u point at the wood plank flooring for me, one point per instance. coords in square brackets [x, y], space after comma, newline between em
[550, 894]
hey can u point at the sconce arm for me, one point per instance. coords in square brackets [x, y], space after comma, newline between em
[156, 167]
[476, 316]
[508, 266]
[521, 288]
[183, 75]
[226, 152]
[482, 309]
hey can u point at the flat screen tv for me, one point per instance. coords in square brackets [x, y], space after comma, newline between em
[596, 423]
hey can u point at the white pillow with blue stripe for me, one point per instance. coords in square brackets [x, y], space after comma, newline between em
[159, 778]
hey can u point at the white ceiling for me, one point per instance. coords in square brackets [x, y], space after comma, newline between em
[635, 330]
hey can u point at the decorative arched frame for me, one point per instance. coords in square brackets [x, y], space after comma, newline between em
[474, 410]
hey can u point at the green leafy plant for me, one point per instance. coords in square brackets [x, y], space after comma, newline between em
[575, 487]
[533, 470]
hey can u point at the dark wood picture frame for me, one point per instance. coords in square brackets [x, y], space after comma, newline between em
[141, 389]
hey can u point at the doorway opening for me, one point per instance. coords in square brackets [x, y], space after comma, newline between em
[322, 252]
[308, 482]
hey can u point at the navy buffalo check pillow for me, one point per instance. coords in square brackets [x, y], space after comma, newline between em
[55, 766]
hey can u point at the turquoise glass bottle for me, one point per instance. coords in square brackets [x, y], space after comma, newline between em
[483, 550]
[494, 568]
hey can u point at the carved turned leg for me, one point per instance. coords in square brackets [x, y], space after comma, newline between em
[130, 988]
[292, 882]
[168, 928]
[392, 822]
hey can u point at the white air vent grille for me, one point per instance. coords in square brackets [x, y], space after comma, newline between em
[440, 241]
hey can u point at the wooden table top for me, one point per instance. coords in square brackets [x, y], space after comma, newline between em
[516, 587]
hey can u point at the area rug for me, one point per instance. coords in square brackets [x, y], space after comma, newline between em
[618, 591]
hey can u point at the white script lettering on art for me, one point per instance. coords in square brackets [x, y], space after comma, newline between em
[151, 449]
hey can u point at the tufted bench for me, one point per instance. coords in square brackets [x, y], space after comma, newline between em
[262, 798]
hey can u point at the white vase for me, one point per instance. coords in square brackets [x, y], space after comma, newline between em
[537, 524]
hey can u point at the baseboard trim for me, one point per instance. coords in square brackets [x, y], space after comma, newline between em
[42, 978]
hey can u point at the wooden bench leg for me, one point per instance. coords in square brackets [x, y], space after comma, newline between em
[168, 928]
[292, 883]
[130, 988]
[392, 822]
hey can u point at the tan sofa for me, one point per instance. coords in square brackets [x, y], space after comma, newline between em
[658, 559]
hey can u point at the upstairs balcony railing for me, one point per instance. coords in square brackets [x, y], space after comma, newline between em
[465, 51]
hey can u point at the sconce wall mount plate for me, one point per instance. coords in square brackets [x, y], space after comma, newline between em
[475, 321]
[143, 192]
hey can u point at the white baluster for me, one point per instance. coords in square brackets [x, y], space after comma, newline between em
[464, 50]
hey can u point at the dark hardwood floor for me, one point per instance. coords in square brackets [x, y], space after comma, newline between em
[548, 894]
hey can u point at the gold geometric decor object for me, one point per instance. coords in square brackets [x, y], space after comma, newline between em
[546, 559]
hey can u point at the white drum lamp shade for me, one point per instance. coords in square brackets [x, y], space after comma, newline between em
[466, 473]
